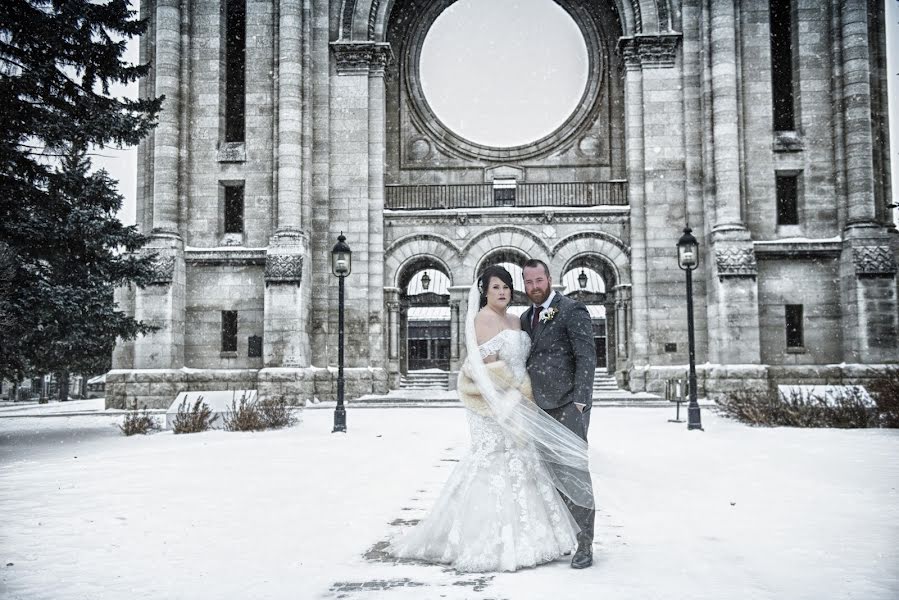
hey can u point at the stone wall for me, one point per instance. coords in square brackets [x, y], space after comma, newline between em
[157, 388]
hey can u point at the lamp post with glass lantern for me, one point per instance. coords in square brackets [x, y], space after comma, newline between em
[582, 280]
[341, 265]
[425, 281]
[688, 260]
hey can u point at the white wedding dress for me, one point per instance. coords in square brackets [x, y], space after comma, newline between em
[499, 509]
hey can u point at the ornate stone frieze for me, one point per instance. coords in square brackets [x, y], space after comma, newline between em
[283, 268]
[163, 270]
[649, 51]
[355, 58]
[736, 262]
[874, 261]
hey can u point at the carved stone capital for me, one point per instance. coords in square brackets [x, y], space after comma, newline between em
[736, 262]
[283, 268]
[649, 51]
[358, 58]
[874, 261]
[163, 270]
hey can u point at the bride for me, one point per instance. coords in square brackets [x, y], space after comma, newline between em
[501, 509]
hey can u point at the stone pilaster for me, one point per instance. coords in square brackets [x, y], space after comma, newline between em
[161, 304]
[357, 98]
[733, 304]
[287, 286]
[286, 303]
[377, 110]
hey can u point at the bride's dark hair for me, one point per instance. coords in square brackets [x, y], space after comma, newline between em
[500, 273]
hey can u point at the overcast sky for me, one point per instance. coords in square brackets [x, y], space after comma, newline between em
[526, 37]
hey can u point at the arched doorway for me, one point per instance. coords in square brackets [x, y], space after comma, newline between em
[590, 279]
[427, 321]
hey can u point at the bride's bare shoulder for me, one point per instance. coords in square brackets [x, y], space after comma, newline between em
[488, 324]
[513, 322]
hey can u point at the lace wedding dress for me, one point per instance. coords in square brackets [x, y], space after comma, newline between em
[499, 510]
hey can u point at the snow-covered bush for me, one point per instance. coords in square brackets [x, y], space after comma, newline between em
[141, 422]
[193, 419]
[256, 415]
[849, 408]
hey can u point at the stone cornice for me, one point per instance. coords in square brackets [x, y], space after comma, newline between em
[224, 256]
[649, 51]
[811, 248]
[358, 58]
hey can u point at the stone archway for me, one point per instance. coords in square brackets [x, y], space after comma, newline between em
[609, 257]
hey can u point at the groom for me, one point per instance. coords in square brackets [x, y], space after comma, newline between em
[561, 366]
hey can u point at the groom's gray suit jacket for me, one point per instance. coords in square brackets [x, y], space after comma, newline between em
[563, 355]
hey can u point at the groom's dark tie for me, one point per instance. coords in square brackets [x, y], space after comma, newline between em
[535, 317]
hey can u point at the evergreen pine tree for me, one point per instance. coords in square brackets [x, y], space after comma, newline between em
[64, 247]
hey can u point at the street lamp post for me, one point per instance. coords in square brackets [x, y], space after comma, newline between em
[341, 265]
[688, 260]
[582, 280]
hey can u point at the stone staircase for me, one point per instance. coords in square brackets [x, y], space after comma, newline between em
[603, 382]
[425, 380]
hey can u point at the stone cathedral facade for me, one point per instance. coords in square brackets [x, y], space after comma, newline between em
[762, 125]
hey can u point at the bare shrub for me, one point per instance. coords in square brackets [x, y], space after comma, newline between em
[257, 415]
[193, 419]
[141, 422]
[847, 409]
[243, 416]
[276, 413]
[885, 390]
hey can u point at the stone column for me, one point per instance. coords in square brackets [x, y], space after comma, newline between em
[458, 314]
[167, 70]
[733, 309]
[392, 303]
[623, 323]
[636, 198]
[162, 303]
[287, 289]
[290, 116]
[611, 344]
[868, 259]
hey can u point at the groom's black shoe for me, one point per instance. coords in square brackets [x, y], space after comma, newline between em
[583, 558]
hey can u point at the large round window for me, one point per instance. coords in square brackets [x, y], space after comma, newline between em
[503, 72]
[502, 79]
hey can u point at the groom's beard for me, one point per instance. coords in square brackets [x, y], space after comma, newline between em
[539, 295]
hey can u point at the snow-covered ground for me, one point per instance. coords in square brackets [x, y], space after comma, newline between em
[729, 513]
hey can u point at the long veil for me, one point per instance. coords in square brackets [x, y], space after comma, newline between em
[563, 452]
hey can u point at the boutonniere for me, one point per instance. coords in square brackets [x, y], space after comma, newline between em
[548, 315]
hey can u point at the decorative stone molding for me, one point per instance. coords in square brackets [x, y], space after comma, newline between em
[283, 268]
[163, 270]
[874, 261]
[736, 262]
[356, 58]
[232, 152]
[788, 141]
[649, 51]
